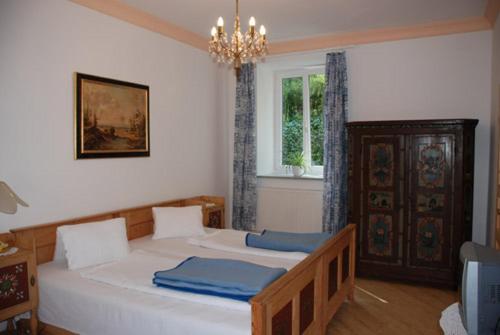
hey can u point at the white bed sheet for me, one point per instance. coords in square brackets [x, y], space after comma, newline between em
[180, 247]
[235, 241]
[89, 307]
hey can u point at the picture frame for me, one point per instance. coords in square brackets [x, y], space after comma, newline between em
[111, 118]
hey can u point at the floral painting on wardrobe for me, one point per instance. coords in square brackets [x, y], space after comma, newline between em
[381, 164]
[431, 165]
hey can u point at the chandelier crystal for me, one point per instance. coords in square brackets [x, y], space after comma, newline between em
[243, 48]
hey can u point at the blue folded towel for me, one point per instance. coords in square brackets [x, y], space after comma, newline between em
[220, 277]
[285, 241]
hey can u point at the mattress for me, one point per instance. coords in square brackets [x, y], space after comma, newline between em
[90, 307]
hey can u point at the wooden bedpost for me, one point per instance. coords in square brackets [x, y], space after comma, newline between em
[352, 264]
[258, 319]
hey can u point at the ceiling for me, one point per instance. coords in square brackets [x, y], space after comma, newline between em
[295, 19]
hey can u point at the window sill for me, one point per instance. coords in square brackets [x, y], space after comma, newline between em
[304, 177]
[290, 183]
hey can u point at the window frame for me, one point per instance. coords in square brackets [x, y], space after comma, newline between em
[279, 168]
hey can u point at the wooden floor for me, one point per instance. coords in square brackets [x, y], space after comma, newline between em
[386, 308]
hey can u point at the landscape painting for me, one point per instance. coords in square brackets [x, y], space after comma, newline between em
[112, 118]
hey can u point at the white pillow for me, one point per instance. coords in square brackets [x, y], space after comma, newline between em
[94, 243]
[59, 253]
[178, 222]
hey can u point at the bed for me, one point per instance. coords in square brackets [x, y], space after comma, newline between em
[302, 301]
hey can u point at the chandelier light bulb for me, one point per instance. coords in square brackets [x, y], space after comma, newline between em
[251, 23]
[262, 30]
[213, 32]
[220, 22]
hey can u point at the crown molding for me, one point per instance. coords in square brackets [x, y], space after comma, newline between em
[122, 11]
[380, 35]
[491, 12]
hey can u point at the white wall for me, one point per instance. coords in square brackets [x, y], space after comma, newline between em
[42, 44]
[437, 77]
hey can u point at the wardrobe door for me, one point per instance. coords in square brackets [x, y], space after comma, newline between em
[431, 209]
[380, 199]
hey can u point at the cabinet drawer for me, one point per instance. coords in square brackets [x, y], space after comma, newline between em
[215, 219]
[14, 287]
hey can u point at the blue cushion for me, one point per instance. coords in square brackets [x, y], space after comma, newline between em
[285, 241]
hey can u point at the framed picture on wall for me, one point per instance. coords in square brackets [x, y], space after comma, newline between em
[111, 118]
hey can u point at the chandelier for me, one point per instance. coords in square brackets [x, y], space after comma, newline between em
[243, 48]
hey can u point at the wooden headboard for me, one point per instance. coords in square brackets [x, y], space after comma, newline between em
[139, 220]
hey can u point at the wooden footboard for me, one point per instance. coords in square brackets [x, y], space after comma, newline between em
[305, 299]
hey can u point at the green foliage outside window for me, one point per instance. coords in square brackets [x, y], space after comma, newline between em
[292, 118]
[292, 130]
[316, 92]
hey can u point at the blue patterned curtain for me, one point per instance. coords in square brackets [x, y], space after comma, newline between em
[335, 144]
[245, 152]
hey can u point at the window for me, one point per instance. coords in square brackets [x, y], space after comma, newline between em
[299, 119]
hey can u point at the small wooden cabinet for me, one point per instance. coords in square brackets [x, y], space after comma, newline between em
[18, 286]
[410, 193]
[213, 210]
[213, 216]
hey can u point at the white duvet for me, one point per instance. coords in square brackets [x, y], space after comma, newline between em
[234, 241]
[119, 298]
[136, 273]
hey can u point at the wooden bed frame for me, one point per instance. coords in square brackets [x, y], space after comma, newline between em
[302, 301]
